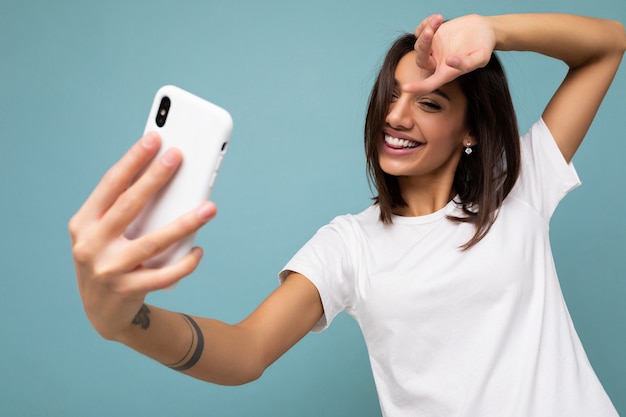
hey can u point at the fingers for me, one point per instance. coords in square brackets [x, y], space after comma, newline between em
[144, 248]
[454, 67]
[469, 62]
[117, 179]
[130, 203]
[425, 33]
[148, 280]
[117, 265]
[443, 75]
[433, 22]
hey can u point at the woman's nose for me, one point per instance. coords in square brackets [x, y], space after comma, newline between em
[400, 115]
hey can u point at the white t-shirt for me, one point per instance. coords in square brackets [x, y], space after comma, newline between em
[477, 333]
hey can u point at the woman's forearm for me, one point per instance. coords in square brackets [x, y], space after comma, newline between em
[222, 353]
[203, 348]
[592, 48]
[576, 40]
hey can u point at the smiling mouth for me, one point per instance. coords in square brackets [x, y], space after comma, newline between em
[398, 143]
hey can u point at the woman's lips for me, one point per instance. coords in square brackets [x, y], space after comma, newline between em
[398, 144]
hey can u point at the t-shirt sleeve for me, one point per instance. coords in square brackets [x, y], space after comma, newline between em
[545, 176]
[325, 261]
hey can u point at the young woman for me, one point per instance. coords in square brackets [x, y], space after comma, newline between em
[449, 273]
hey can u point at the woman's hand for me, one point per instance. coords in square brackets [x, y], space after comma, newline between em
[452, 48]
[111, 280]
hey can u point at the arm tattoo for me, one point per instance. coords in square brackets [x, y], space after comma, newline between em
[143, 317]
[197, 338]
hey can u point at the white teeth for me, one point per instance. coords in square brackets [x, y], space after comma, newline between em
[395, 142]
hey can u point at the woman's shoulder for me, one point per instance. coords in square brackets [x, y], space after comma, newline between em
[370, 214]
[545, 176]
[352, 225]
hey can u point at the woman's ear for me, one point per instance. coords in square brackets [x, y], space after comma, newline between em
[470, 139]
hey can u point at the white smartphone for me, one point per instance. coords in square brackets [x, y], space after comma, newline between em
[201, 130]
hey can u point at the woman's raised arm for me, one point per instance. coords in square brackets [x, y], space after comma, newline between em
[592, 49]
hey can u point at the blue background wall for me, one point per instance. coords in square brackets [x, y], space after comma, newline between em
[76, 81]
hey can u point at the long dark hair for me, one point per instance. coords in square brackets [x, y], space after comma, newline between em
[483, 179]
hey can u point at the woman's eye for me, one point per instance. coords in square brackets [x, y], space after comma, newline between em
[430, 105]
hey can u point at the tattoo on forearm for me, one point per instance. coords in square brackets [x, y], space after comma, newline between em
[143, 317]
[197, 339]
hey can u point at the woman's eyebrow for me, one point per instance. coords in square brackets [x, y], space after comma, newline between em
[439, 92]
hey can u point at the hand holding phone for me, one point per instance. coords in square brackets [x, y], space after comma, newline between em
[201, 131]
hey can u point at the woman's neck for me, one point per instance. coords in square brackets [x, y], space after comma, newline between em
[424, 197]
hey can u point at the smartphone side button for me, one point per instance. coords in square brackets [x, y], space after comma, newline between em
[213, 180]
[219, 163]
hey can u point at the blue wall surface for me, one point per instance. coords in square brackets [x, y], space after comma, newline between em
[76, 81]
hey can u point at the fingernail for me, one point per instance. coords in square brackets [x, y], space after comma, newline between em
[171, 157]
[149, 141]
[206, 211]
[197, 252]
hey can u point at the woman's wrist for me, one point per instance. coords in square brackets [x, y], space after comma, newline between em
[170, 338]
[499, 26]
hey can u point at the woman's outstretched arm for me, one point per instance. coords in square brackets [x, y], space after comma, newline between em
[113, 284]
[222, 353]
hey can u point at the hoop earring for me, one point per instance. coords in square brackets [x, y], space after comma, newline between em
[468, 149]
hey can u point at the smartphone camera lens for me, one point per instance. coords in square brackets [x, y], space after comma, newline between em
[164, 109]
